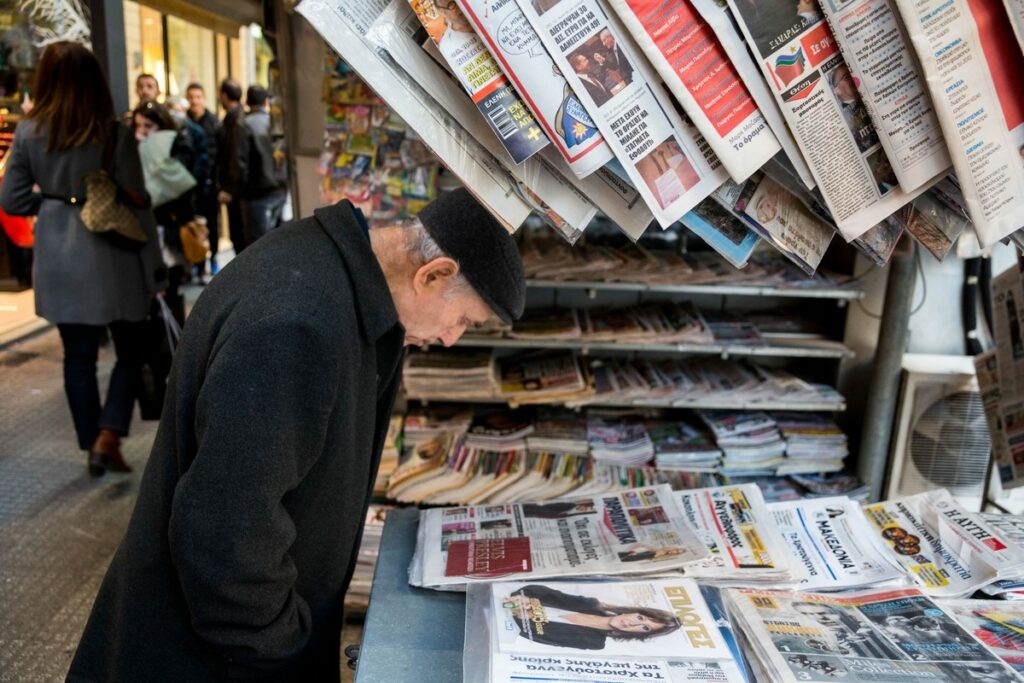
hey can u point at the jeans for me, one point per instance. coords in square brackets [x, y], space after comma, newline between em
[263, 214]
[81, 348]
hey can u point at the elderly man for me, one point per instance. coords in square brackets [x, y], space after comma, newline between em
[250, 512]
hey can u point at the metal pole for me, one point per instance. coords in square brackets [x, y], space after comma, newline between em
[108, 45]
[884, 388]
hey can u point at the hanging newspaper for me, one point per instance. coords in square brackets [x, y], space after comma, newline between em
[891, 636]
[594, 631]
[397, 31]
[831, 543]
[719, 18]
[344, 25]
[722, 231]
[819, 99]
[634, 531]
[1011, 474]
[997, 623]
[887, 76]
[1008, 333]
[517, 50]
[663, 157]
[737, 529]
[692, 63]
[973, 69]
[948, 551]
[1015, 12]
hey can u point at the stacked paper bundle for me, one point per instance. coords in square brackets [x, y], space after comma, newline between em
[358, 596]
[751, 441]
[464, 373]
[814, 443]
[682, 446]
[619, 439]
[655, 324]
[389, 455]
[541, 377]
[559, 432]
[547, 323]
[423, 423]
[818, 485]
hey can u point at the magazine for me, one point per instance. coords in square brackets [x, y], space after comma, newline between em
[722, 231]
[632, 532]
[879, 636]
[996, 623]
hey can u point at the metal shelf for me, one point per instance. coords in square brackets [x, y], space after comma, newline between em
[817, 292]
[822, 406]
[797, 349]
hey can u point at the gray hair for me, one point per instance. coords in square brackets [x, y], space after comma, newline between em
[423, 249]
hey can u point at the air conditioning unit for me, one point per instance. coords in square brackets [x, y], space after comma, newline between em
[941, 439]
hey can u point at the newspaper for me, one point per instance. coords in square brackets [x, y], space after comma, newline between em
[635, 531]
[595, 631]
[737, 529]
[831, 542]
[723, 232]
[876, 636]
[818, 97]
[668, 163]
[1008, 334]
[973, 68]
[344, 25]
[878, 53]
[1015, 13]
[517, 50]
[719, 18]
[1011, 527]
[1011, 474]
[948, 551]
[998, 624]
[687, 55]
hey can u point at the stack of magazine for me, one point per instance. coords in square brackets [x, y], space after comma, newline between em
[468, 373]
[751, 441]
[684, 446]
[814, 443]
[619, 438]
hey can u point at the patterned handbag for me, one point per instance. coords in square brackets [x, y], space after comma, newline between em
[103, 212]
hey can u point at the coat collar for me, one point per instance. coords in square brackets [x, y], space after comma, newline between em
[376, 308]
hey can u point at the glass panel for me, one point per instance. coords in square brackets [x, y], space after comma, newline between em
[190, 53]
[237, 68]
[222, 57]
[144, 45]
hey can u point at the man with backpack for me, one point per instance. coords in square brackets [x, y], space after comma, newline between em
[266, 184]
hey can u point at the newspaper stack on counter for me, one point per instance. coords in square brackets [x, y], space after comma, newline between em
[468, 373]
[948, 551]
[751, 441]
[657, 629]
[683, 446]
[736, 527]
[630, 532]
[619, 438]
[999, 625]
[879, 636]
[832, 546]
[814, 443]
[1011, 528]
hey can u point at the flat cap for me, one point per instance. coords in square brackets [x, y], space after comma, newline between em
[486, 253]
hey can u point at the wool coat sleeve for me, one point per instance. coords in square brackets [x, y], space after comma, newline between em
[16, 194]
[261, 420]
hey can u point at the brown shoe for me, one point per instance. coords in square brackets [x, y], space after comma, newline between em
[106, 452]
[115, 462]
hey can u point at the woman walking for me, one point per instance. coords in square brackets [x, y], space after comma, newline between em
[85, 281]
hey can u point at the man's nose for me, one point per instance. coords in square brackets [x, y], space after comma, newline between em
[452, 335]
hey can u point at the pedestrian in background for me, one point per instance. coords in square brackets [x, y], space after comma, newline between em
[232, 160]
[265, 185]
[84, 282]
[207, 205]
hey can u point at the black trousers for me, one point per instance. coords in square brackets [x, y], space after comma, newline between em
[81, 348]
[236, 226]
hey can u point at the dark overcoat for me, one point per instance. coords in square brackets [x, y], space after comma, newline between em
[245, 533]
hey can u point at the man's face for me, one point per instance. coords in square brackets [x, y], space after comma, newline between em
[845, 88]
[431, 315]
[196, 101]
[607, 40]
[580, 63]
[147, 89]
[819, 613]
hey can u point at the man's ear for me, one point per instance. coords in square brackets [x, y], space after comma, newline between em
[435, 275]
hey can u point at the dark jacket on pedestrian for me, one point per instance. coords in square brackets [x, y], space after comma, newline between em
[264, 176]
[245, 534]
[210, 125]
[233, 153]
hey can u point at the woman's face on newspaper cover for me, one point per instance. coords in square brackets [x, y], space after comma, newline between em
[631, 622]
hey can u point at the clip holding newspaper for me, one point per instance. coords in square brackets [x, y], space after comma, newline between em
[687, 55]
[671, 169]
[633, 531]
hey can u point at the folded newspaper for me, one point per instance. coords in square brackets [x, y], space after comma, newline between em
[878, 636]
[632, 532]
[658, 629]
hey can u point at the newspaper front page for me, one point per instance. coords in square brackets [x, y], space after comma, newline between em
[831, 542]
[581, 632]
[878, 53]
[1011, 527]
[818, 97]
[872, 636]
[517, 49]
[687, 55]
[998, 624]
[1008, 334]
[1011, 474]
[633, 531]
[973, 68]
[344, 25]
[664, 160]
[737, 528]
[948, 551]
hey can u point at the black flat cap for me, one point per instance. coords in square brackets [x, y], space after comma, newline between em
[486, 253]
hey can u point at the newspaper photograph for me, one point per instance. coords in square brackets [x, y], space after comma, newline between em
[518, 51]
[600, 631]
[948, 551]
[934, 225]
[997, 624]
[737, 529]
[973, 65]
[695, 68]
[670, 167]
[818, 97]
[722, 231]
[892, 636]
[889, 80]
[633, 531]
[344, 24]
[831, 543]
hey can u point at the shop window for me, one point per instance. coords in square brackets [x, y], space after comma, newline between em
[144, 44]
[190, 55]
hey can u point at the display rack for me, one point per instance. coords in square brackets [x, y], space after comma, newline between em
[840, 293]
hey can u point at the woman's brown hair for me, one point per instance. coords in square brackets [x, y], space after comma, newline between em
[72, 98]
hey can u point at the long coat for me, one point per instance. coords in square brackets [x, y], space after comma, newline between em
[250, 511]
[80, 277]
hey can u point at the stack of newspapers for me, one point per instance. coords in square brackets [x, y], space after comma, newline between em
[684, 446]
[814, 443]
[468, 373]
[751, 441]
[619, 438]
